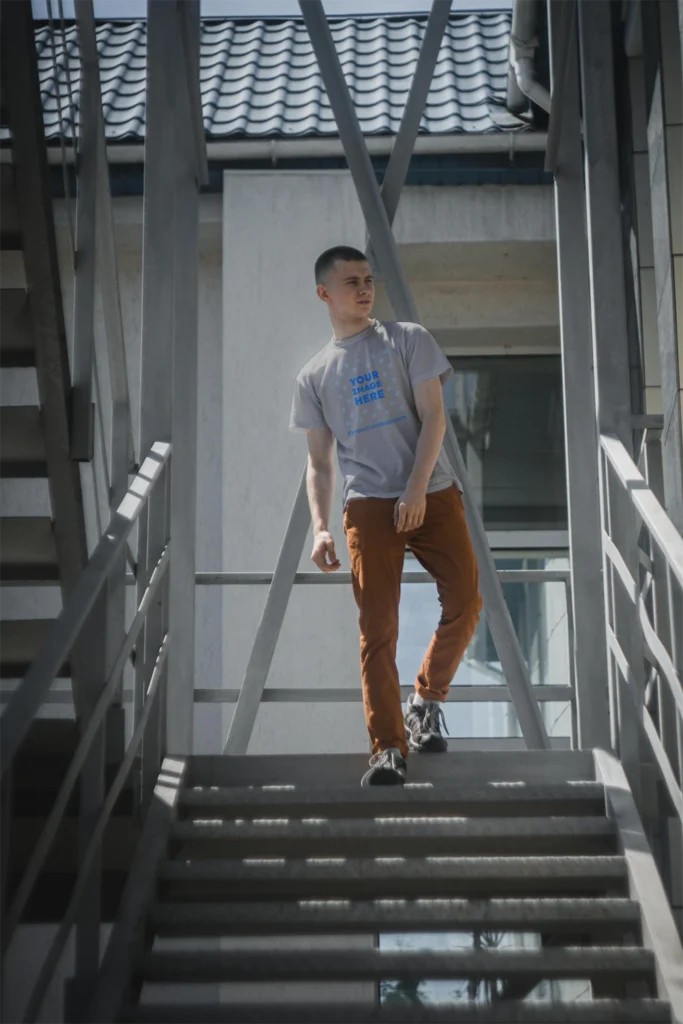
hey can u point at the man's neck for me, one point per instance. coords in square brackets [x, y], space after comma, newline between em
[346, 328]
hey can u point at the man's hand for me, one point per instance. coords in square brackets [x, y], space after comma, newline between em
[323, 549]
[409, 510]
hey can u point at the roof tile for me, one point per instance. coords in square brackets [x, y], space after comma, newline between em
[261, 77]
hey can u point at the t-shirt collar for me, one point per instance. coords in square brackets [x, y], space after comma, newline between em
[343, 342]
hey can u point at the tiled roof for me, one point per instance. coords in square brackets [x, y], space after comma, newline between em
[260, 77]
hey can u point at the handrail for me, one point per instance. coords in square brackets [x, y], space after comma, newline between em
[42, 847]
[231, 579]
[67, 630]
[666, 560]
[649, 509]
[28, 697]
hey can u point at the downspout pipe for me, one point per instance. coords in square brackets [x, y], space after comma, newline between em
[522, 84]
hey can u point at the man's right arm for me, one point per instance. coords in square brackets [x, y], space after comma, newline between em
[320, 489]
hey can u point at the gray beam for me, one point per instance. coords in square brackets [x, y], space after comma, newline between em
[611, 356]
[399, 161]
[82, 418]
[384, 246]
[672, 437]
[262, 652]
[190, 32]
[581, 437]
[183, 493]
[565, 43]
[603, 208]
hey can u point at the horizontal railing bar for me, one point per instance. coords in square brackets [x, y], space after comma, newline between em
[649, 509]
[57, 946]
[285, 695]
[42, 847]
[29, 696]
[259, 578]
[348, 694]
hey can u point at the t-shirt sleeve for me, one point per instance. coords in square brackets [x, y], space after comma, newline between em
[424, 357]
[307, 413]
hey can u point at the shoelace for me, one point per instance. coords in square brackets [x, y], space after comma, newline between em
[383, 757]
[434, 718]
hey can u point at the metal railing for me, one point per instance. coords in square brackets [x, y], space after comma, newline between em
[148, 634]
[644, 582]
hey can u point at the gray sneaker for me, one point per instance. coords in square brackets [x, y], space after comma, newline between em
[423, 726]
[387, 768]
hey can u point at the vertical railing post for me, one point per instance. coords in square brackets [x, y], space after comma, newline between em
[189, 141]
[588, 651]
[94, 664]
[609, 327]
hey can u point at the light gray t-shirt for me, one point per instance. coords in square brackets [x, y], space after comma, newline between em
[362, 389]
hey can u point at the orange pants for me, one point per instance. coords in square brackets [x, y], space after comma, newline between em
[442, 546]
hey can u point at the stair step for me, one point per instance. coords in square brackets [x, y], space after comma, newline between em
[16, 336]
[345, 770]
[599, 1011]
[471, 800]
[585, 963]
[28, 552]
[22, 446]
[583, 916]
[396, 878]
[20, 642]
[404, 837]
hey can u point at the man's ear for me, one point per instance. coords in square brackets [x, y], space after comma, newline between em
[322, 292]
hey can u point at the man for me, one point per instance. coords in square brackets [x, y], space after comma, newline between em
[376, 389]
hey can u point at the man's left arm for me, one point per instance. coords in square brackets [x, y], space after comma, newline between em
[409, 511]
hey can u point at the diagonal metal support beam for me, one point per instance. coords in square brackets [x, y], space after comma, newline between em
[270, 625]
[399, 161]
[384, 246]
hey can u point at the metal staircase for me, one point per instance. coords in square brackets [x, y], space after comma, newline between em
[254, 875]
[269, 854]
[35, 466]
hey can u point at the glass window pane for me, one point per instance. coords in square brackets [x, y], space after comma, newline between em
[507, 414]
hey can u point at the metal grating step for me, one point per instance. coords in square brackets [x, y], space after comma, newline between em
[16, 334]
[601, 1011]
[396, 878]
[405, 837]
[336, 771]
[22, 446]
[568, 916]
[28, 552]
[469, 800]
[602, 964]
[20, 642]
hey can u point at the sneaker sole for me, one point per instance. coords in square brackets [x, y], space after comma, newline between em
[382, 777]
[434, 745]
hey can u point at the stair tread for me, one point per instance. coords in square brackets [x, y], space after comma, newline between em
[22, 445]
[374, 964]
[28, 551]
[469, 800]
[215, 918]
[345, 770]
[599, 1011]
[396, 877]
[16, 336]
[403, 836]
[20, 642]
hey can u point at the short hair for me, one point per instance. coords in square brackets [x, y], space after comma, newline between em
[327, 259]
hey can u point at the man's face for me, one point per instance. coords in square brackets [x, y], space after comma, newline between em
[349, 289]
